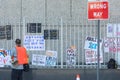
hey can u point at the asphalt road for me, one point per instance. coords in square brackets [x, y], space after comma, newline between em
[64, 74]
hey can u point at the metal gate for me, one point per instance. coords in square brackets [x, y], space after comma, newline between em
[69, 39]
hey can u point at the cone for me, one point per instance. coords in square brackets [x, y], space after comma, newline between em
[78, 77]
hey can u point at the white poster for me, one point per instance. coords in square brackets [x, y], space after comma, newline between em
[91, 50]
[113, 30]
[91, 57]
[71, 57]
[5, 58]
[110, 30]
[34, 42]
[111, 45]
[91, 43]
[38, 60]
[51, 58]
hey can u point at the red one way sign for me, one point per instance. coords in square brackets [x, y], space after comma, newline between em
[98, 10]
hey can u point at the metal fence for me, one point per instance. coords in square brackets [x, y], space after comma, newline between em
[61, 36]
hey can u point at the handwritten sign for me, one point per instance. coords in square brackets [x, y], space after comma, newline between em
[5, 58]
[38, 59]
[111, 45]
[71, 57]
[51, 58]
[34, 42]
[91, 57]
[113, 30]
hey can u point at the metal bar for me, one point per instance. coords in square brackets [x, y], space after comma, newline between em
[98, 42]
[61, 43]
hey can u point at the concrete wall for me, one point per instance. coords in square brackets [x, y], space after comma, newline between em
[64, 74]
[42, 10]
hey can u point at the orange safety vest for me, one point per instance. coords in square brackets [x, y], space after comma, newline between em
[21, 55]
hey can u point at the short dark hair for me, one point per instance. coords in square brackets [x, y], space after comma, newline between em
[18, 41]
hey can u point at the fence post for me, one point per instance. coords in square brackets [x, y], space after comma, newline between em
[61, 43]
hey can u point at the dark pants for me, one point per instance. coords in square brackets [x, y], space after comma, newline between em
[16, 74]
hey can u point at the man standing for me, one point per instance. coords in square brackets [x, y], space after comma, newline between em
[19, 57]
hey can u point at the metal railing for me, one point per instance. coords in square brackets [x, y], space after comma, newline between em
[60, 36]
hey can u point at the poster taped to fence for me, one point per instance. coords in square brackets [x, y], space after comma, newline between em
[111, 45]
[91, 57]
[38, 60]
[34, 42]
[5, 58]
[91, 43]
[71, 57]
[113, 30]
[91, 50]
[51, 58]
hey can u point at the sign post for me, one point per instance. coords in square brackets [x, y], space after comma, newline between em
[98, 10]
[98, 50]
